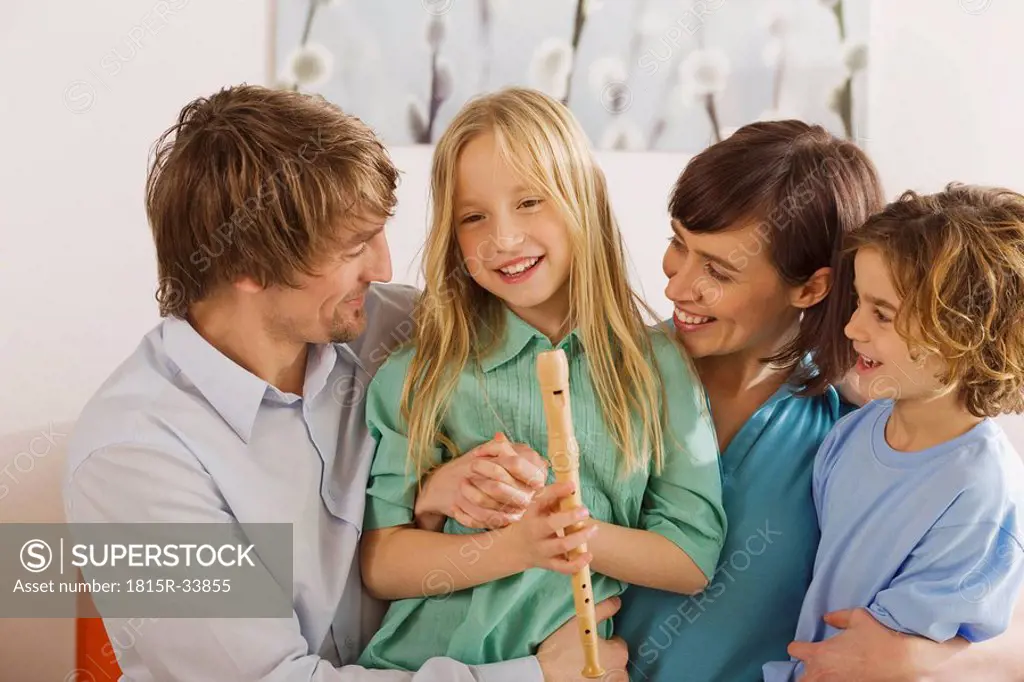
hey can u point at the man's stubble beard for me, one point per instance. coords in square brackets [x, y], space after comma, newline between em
[344, 331]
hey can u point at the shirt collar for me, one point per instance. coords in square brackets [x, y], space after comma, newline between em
[233, 391]
[320, 363]
[519, 335]
[357, 352]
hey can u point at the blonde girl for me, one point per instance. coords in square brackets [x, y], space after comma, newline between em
[524, 255]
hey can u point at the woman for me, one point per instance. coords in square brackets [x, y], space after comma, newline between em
[758, 220]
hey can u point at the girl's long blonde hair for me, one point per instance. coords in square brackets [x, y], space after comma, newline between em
[542, 142]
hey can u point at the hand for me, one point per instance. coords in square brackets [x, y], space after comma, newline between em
[488, 487]
[561, 654]
[545, 536]
[865, 651]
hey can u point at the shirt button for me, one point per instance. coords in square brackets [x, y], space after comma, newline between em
[331, 494]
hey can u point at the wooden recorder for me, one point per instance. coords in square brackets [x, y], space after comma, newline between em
[564, 454]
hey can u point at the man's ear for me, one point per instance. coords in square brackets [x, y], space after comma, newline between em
[813, 291]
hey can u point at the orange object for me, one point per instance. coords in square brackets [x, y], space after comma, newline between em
[95, 659]
[94, 655]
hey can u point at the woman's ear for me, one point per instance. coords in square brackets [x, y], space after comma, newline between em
[813, 291]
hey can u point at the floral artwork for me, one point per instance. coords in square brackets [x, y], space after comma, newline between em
[641, 75]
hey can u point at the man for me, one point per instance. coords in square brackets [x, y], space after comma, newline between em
[246, 403]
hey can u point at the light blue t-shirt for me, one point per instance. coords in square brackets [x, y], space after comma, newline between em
[749, 612]
[930, 542]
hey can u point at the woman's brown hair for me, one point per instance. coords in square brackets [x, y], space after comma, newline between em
[957, 264]
[258, 183]
[806, 189]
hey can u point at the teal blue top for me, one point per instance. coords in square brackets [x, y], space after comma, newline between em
[748, 614]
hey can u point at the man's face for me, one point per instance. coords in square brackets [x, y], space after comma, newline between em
[328, 307]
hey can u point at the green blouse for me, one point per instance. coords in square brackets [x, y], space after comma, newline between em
[509, 618]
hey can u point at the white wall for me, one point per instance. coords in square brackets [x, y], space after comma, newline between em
[945, 96]
[87, 88]
[77, 275]
[945, 102]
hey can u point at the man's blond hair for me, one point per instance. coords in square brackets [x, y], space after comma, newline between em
[260, 183]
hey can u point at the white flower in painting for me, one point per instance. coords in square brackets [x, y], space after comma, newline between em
[855, 56]
[606, 72]
[623, 135]
[772, 53]
[416, 114]
[330, 3]
[444, 83]
[829, 4]
[550, 67]
[435, 32]
[704, 72]
[310, 65]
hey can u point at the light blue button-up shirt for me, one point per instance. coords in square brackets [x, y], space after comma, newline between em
[180, 433]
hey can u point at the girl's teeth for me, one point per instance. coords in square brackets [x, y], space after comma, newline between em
[691, 319]
[520, 267]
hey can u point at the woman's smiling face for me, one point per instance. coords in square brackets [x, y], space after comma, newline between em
[728, 296]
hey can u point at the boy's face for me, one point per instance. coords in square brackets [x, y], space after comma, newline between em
[885, 365]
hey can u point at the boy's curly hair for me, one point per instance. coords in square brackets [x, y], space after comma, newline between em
[957, 262]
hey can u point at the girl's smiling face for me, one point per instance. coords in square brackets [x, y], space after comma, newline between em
[513, 239]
